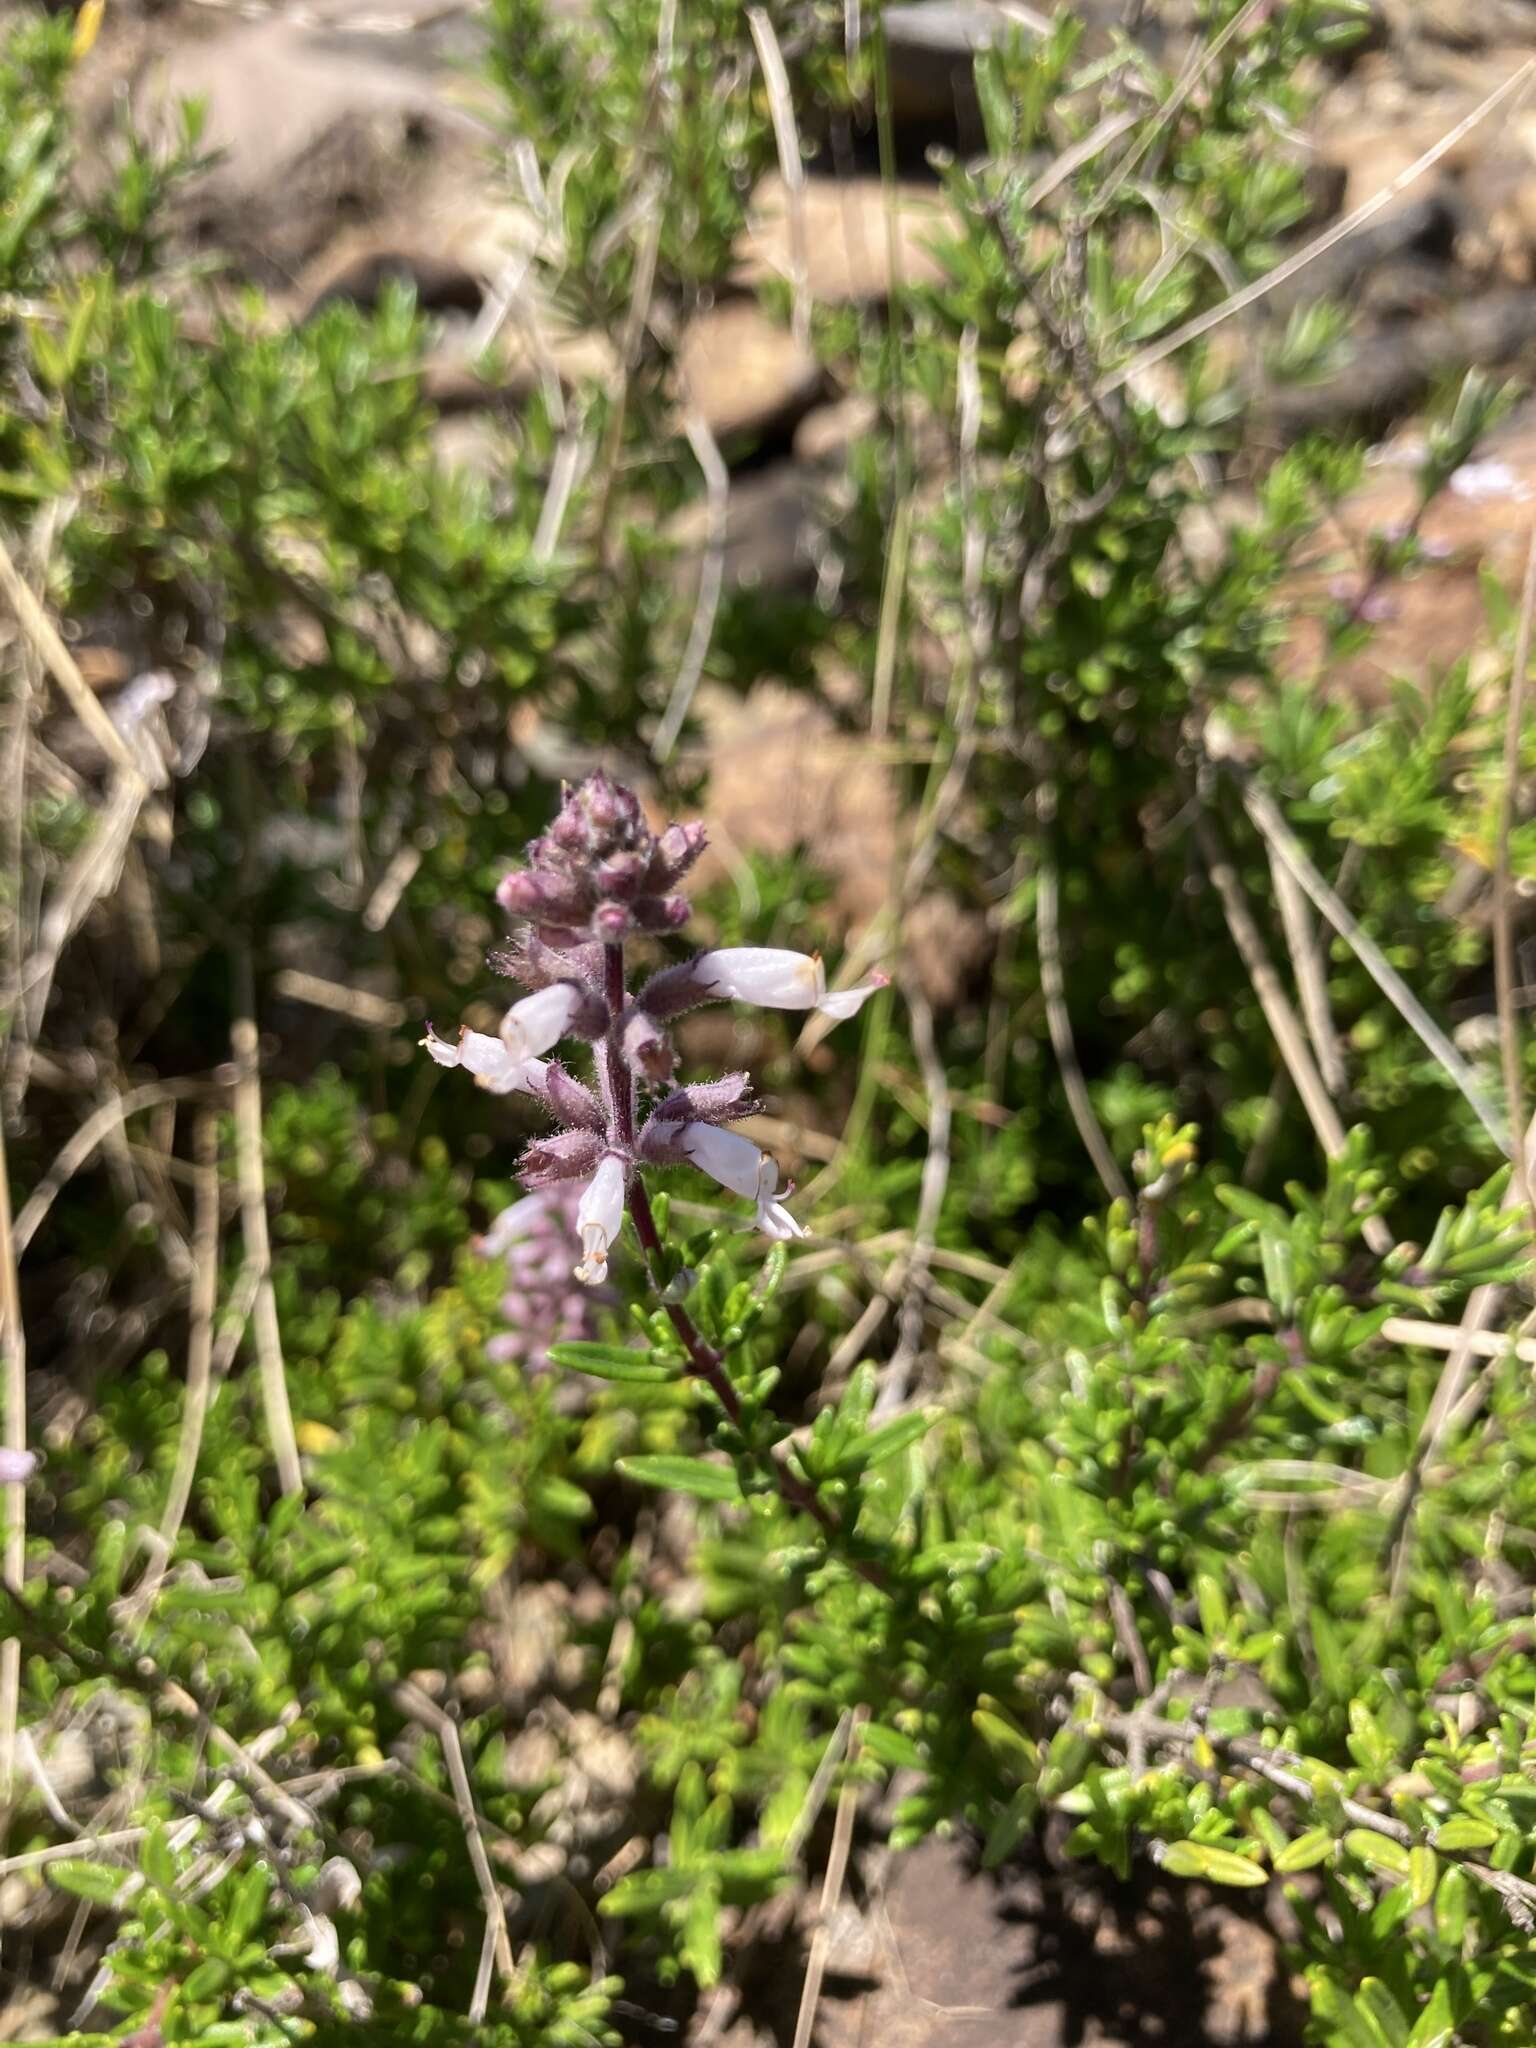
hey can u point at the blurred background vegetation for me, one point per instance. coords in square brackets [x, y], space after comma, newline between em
[911, 439]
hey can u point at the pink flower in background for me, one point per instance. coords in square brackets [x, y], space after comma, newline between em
[537, 1239]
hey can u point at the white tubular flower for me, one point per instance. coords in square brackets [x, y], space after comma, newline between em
[540, 1020]
[492, 1062]
[599, 1216]
[777, 979]
[737, 1164]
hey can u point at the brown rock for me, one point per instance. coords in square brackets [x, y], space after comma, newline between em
[847, 237]
[1037, 1958]
[747, 375]
[1426, 621]
[310, 138]
[770, 532]
[783, 776]
[824, 436]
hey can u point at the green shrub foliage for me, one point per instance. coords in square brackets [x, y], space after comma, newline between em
[1168, 1477]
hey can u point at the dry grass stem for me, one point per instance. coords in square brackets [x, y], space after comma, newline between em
[831, 1893]
[1159, 351]
[61, 664]
[1505, 975]
[717, 488]
[1200, 61]
[427, 1711]
[1059, 1023]
[111, 1115]
[1265, 813]
[13, 1554]
[1311, 974]
[92, 873]
[1282, 1020]
[378, 1013]
[205, 1296]
[896, 1379]
[786, 136]
[1071, 161]
[1482, 1306]
[888, 630]
[1449, 1336]
[258, 1244]
[572, 455]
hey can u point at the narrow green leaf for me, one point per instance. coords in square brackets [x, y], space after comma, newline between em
[1216, 1866]
[890, 1746]
[1463, 1832]
[610, 1362]
[559, 1497]
[210, 1977]
[1305, 1852]
[683, 1475]
[1436, 2024]
[95, 1881]
[886, 1441]
[1423, 1875]
[1383, 2012]
[1378, 1851]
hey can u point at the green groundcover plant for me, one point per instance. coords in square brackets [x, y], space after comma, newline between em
[449, 1610]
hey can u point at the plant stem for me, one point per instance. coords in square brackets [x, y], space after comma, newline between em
[704, 1361]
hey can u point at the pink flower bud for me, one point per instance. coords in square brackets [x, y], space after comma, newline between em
[568, 1155]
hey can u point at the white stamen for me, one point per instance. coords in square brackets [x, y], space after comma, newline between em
[599, 1217]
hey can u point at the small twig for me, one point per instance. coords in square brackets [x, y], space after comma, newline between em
[831, 1893]
[1059, 1018]
[1482, 1305]
[1265, 813]
[205, 1296]
[427, 1711]
[895, 1380]
[1200, 62]
[1278, 1013]
[1282, 1769]
[253, 1221]
[13, 1559]
[83, 701]
[888, 628]
[786, 138]
[717, 489]
[1191, 330]
[1311, 976]
[1504, 969]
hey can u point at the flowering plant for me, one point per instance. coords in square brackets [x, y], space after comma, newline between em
[596, 882]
